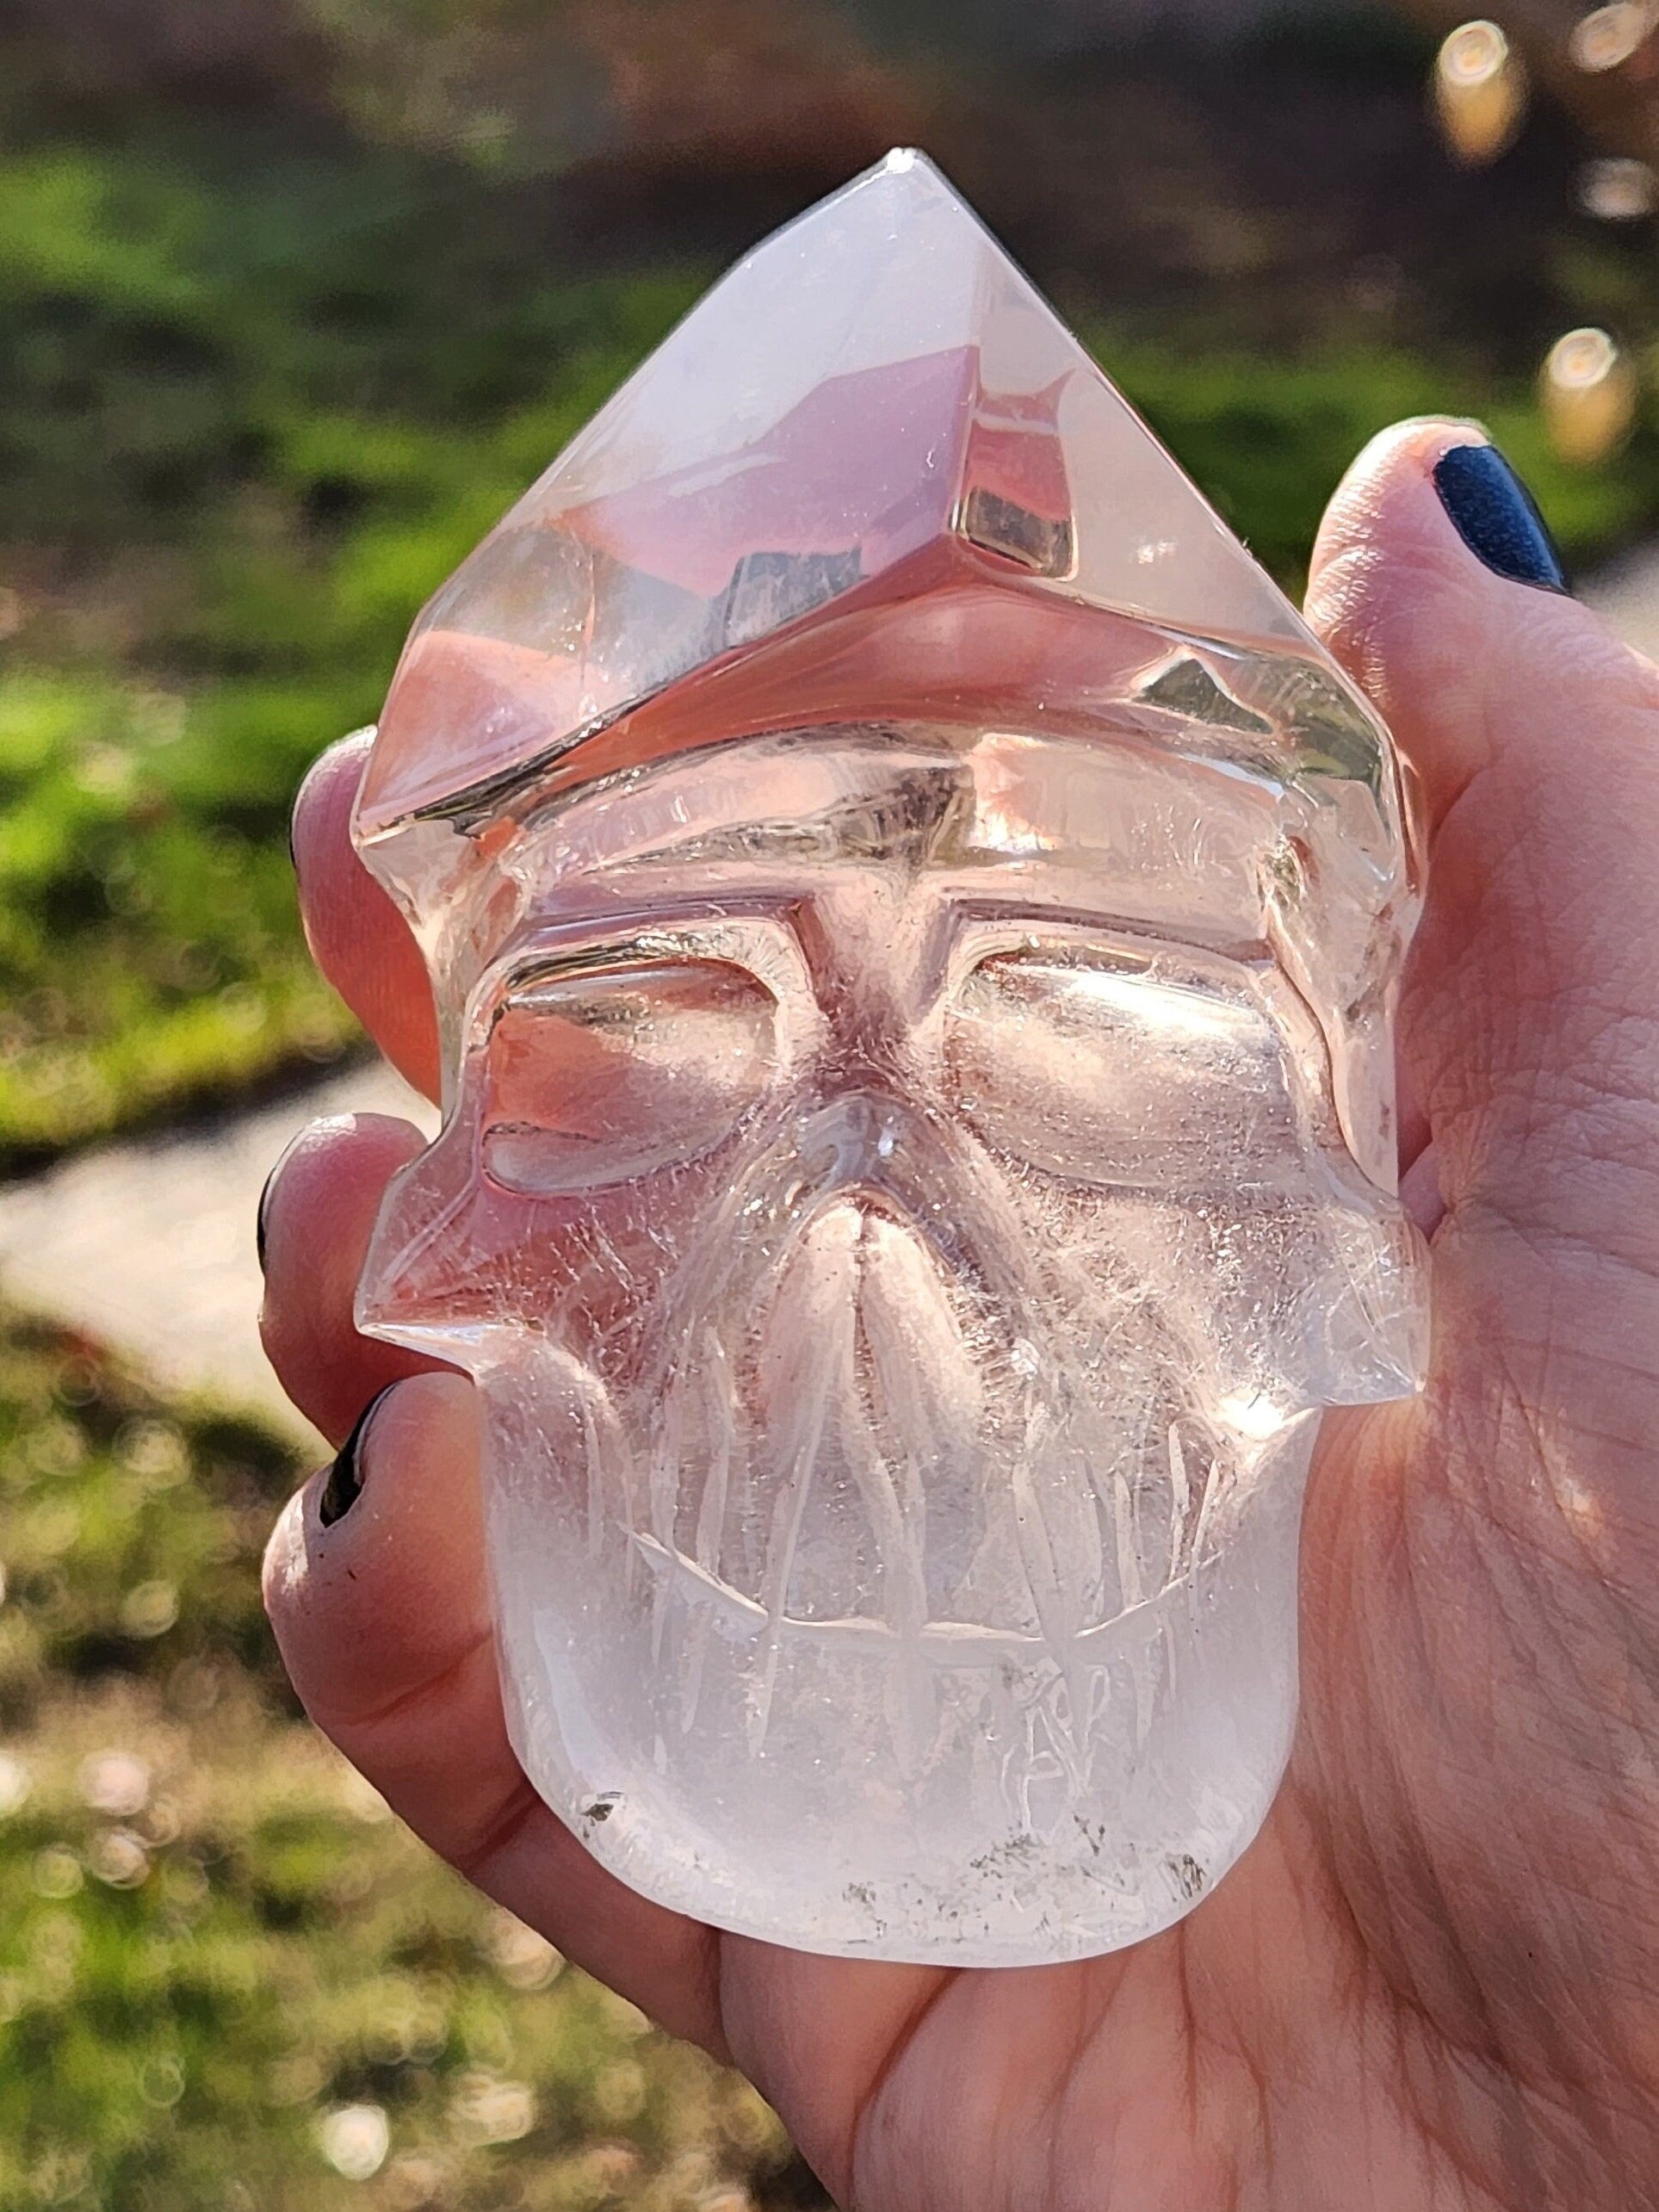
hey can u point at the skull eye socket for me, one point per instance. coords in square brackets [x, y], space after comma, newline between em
[1107, 1073]
[613, 1072]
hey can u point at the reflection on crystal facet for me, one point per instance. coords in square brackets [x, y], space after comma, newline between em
[869, 402]
[914, 917]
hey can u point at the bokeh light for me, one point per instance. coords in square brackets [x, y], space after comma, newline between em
[1480, 91]
[485, 2109]
[523, 1959]
[15, 1783]
[354, 2140]
[115, 1782]
[1617, 189]
[1588, 391]
[1607, 37]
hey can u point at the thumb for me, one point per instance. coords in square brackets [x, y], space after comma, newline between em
[1529, 1029]
[1435, 583]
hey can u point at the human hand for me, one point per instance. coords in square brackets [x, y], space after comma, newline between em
[1434, 1981]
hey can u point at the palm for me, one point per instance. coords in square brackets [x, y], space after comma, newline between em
[1427, 1983]
[1391, 1964]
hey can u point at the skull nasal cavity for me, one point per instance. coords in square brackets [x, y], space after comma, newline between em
[854, 1141]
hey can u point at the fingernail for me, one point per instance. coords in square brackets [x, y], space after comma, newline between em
[344, 1484]
[259, 1218]
[1497, 517]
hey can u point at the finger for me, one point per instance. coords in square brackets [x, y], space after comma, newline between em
[1530, 1026]
[357, 937]
[317, 1215]
[383, 1620]
[1472, 669]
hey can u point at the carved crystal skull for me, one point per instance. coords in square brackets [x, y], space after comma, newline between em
[914, 918]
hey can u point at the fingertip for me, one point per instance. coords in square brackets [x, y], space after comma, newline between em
[317, 1215]
[388, 1592]
[424, 1427]
[1438, 590]
[337, 767]
[1383, 511]
[357, 937]
[321, 814]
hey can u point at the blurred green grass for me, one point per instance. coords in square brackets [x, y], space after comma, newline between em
[260, 395]
[226, 1974]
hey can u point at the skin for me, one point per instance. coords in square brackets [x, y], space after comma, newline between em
[1433, 1982]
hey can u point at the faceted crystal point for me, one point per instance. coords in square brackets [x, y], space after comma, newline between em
[915, 918]
[876, 382]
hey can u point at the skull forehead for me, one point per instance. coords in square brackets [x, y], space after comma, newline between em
[906, 858]
[1175, 844]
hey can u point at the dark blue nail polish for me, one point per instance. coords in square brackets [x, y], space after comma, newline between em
[344, 1484]
[1497, 517]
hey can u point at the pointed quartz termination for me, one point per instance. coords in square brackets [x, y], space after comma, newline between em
[874, 406]
[914, 918]
[872, 476]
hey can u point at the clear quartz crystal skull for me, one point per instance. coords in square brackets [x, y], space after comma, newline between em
[914, 917]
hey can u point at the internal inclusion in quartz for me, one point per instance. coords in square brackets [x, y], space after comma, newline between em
[914, 918]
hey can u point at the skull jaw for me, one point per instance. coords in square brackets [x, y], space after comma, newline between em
[951, 1796]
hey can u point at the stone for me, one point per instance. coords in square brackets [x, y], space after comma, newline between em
[915, 918]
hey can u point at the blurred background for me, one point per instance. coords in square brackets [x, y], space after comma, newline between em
[297, 295]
